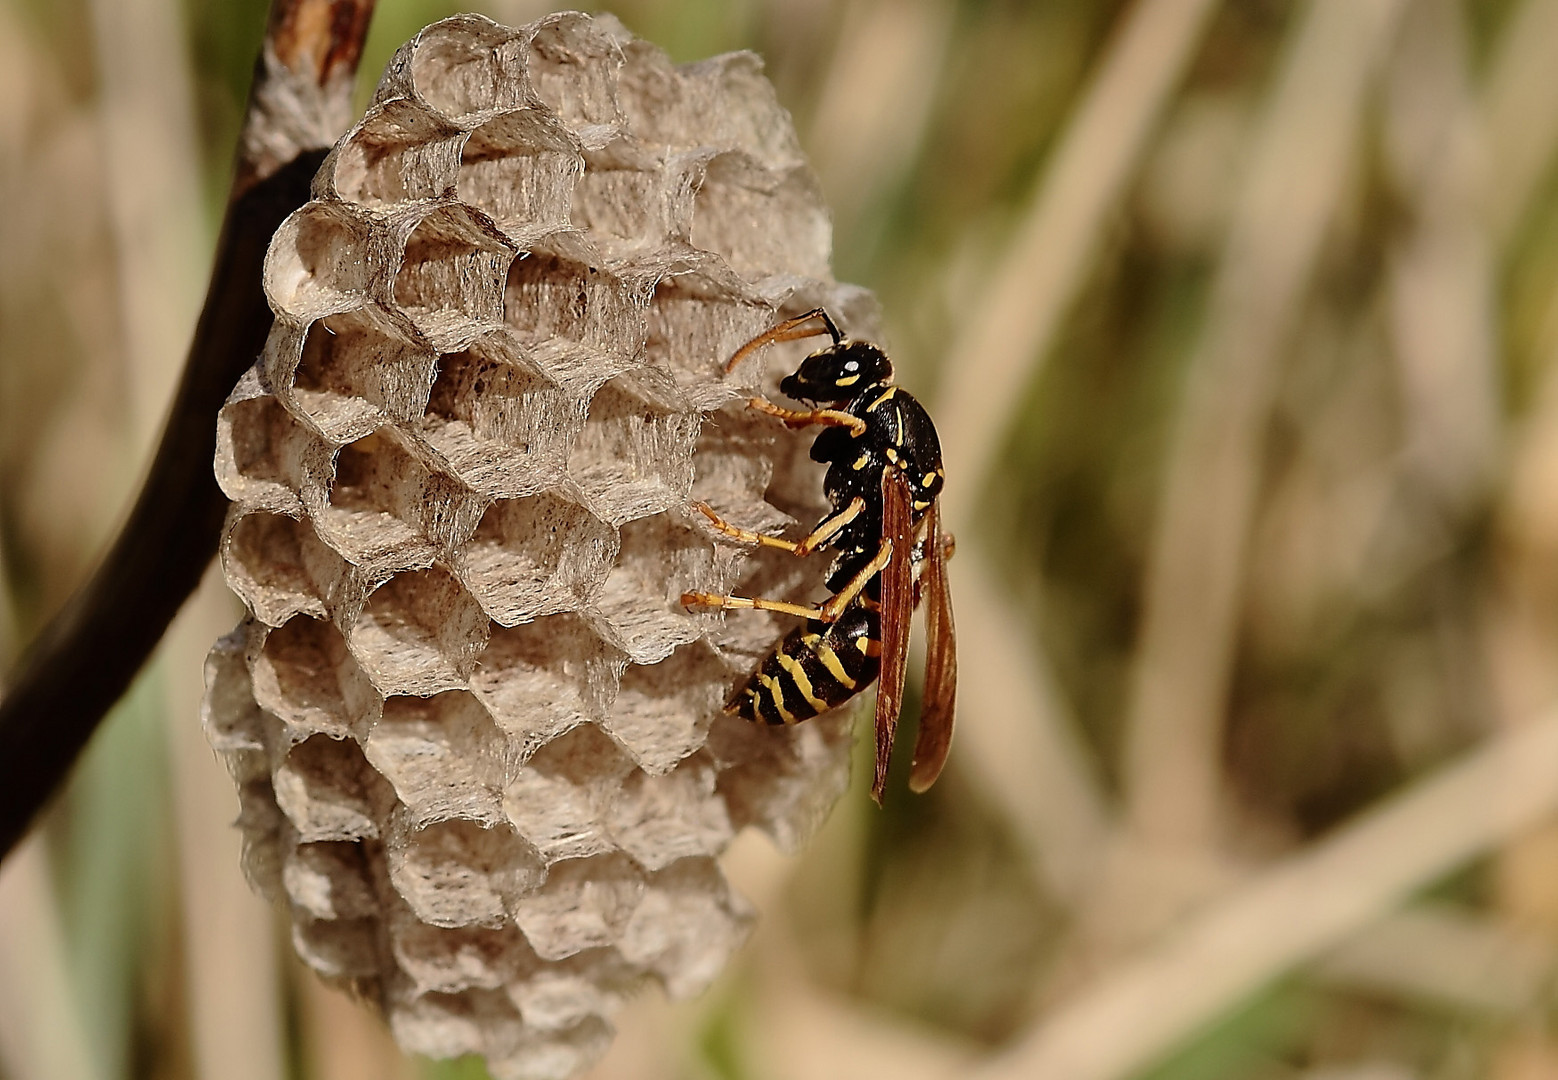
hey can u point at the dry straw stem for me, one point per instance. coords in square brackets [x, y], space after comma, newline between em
[1295, 911]
[85, 657]
[1297, 165]
[1020, 734]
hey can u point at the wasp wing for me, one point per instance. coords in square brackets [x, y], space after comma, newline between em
[941, 661]
[896, 615]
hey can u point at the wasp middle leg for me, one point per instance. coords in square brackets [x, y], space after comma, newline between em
[826, 529]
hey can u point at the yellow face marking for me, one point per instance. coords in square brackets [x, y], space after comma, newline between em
[848, 380]
[776, 692]
[862, 461]
[886, 394]
[835, 666]
[802, 683]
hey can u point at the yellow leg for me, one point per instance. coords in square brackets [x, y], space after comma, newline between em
[825, 531]
[714, 602]
[803, 418]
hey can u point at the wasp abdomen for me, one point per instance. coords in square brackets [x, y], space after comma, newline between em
[816, 667]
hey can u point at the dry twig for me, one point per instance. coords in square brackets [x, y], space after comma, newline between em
[87, 655]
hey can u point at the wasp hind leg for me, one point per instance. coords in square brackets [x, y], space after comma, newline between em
[702, 601]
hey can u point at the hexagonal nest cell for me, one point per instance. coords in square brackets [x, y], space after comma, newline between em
[477, 740]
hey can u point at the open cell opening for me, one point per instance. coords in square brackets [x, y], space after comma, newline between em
[419, 633]
[467, 66]
[520, 169]
[759, 222]
[537, 556]
[782, 780]
[461, 873]
[398, 154]
[565, 993]
[663, 711]
[696, 323]
[634, 456]
[279, 567]
[559, 799]
[329, 792]
[629, 200]
[262, 452]
[451, 275]
[373, 498]
[552, 297]
[305, 675]
[502, 426]
[687, 925]
[315, 265]
[443, 755]
[443, 959]
[542, 678]
[235, 725]
[338, 948]
[355, 370]
[661, 819]
[573, 67]
[640, 607]
[329, 879]
[585, 904]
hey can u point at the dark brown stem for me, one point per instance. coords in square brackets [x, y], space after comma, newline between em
[86, 656]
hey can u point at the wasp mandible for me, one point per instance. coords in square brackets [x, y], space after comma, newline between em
[884, 475]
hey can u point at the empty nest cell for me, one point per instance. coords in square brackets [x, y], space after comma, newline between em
[398, 153]
[328, 791]
[557, 295]
[542, 678]
[560, 800]
[631, 199]
[419, 634]
[264, 457]
[634, 456]
[663, 710]
[536, 556]
[585, 904]
[782, 780]
[236, 727]
[563, 994]
[520, 169]
[460, 873]
[315, 265]
[356, 369]
[381, 500]
[450, 959]
[503, 426]
[305, 674]
[279, 567]
[442, 754]
[329, 879]
[696, 323]
[761, 222]
[686, 926]
[488, 1023]
[573, 68]
[451, 275]
[639, 609]
[466, 68]
[345, 949]
[661, 819]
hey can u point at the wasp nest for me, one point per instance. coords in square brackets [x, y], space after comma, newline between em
[478, 743]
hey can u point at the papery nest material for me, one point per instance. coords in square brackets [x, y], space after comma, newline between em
[477, 740]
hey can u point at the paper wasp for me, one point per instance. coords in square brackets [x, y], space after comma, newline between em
[884, 475]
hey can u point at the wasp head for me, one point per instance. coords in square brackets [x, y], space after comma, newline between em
[838, 372]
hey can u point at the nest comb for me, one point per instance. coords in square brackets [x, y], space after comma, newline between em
[477, 742]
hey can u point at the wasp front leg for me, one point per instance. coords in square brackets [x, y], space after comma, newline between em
[826, 529]
[702, 601]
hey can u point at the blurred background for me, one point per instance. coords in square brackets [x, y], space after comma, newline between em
[1240, 322]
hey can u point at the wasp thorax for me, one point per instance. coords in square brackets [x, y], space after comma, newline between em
[478, 741]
